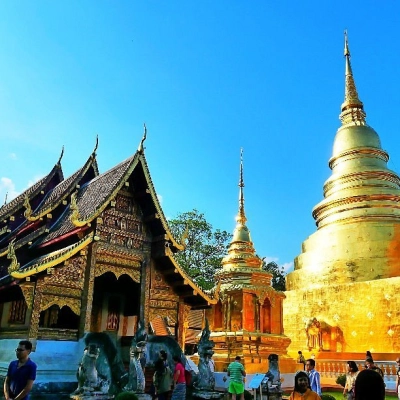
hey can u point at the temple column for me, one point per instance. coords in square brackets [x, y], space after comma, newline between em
[180, 336]
[276, 317]
[35, 316]
[87, 293]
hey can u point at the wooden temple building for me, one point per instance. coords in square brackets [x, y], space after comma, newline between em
[90, 253]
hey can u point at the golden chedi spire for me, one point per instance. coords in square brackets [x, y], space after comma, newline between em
[360, 205]
[241, 253]
[352, 107]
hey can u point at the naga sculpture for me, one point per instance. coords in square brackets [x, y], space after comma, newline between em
[205, 379]
[137, 381]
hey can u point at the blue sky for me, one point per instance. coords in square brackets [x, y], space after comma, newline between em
[207, 77]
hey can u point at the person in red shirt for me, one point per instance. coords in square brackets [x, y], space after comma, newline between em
[179, 392]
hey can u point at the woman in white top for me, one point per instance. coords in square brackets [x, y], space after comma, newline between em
[352, 372]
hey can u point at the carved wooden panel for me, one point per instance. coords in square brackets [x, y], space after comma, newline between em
[28, 290]
[71, 274]
[48, 300]
[101, 269]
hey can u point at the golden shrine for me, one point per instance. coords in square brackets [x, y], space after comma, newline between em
[90, 253]
[247, 320]
[342, 296]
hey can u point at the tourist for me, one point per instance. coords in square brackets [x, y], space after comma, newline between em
[369, 363]
[368, 355]
[21, 374]
[302, 388]
[179, 392]
[315, 380]
[236, 374]
[301, 359]
[398, 377]
[369, 386]
[162, 378]
[352, 372]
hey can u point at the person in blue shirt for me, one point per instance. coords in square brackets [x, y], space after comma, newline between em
[21, 374]
[315, 380]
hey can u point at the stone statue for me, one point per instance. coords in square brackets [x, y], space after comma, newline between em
[90, 381]
[136, 375]
[271, 384]
[314, 334]
[204, 382]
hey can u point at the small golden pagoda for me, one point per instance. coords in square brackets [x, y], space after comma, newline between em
[343, 293]
[247, 320]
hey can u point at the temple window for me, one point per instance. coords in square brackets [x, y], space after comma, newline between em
[57, 318]
[266, 314]
[113, 313]
[17, 312]
[218, 320]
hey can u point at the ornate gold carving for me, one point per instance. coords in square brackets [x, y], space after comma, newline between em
[14, 266]
[34, 323]
[62, 291]
[164, 294]
[88, 290]
[49, 300]
[71, 274]
[28, 208]
[28, 290]
[101, 269]
[75, 216]
[55, 258]
[162, 304]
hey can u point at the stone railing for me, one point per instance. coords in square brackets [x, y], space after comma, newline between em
[333, 368]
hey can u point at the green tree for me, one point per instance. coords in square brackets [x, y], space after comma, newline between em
[278, 275]
[205, 247]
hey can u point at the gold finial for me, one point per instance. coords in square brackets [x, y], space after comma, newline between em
[241, 217]
[28, 208]
[14, 266]
[141, 146]
[352, 108]
[61, 156]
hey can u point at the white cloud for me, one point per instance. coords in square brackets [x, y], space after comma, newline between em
[288, 266]
[12, 156]
[271, 259]
[34, 180]
[160, 198]
[7, 187]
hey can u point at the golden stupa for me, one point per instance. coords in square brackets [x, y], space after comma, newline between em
[247, 319]
[343, 295]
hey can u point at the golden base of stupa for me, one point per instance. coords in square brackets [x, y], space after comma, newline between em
[254, 349]
[352, 317]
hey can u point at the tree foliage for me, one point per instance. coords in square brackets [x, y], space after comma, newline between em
[205, 247]
[278, 275]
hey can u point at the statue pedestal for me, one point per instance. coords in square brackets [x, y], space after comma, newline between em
[91, 396]
[143, 396]
[207, 395]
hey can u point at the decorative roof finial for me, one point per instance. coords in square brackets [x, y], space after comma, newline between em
[241, 217]
[352, 107]
[96, 146]
[61, 156]
[141, 147]
[5, 199]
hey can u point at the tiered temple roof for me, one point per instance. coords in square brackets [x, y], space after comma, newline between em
[57, 218]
